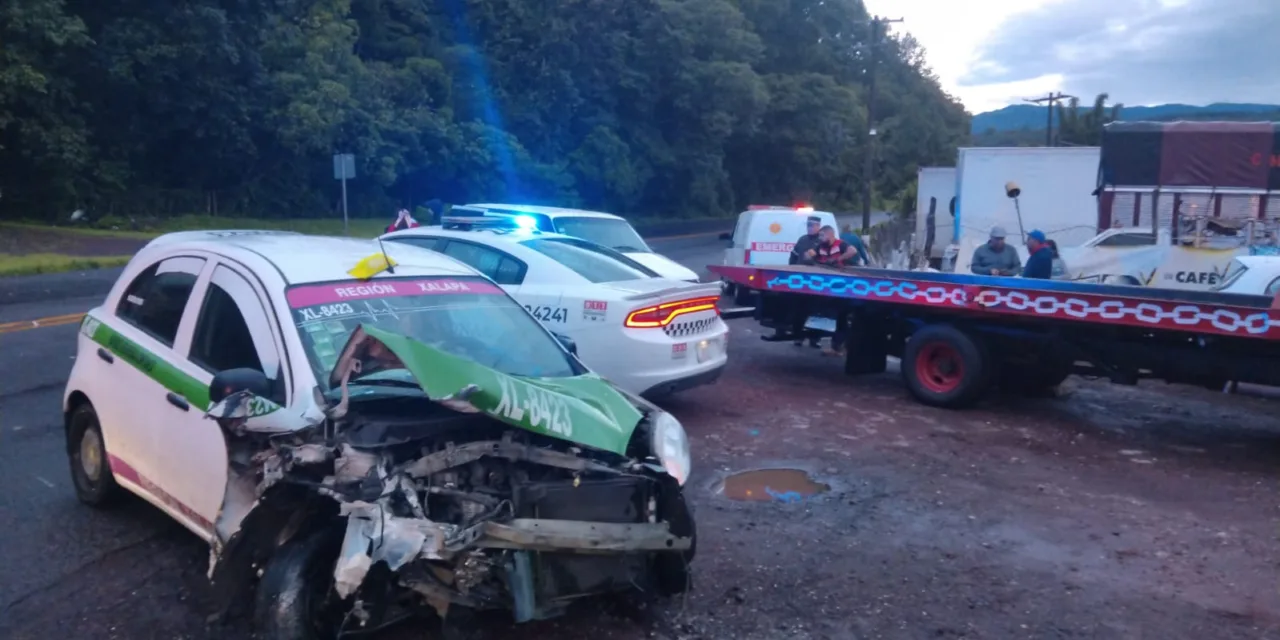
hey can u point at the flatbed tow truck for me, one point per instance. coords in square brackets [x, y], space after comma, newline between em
[958, 336]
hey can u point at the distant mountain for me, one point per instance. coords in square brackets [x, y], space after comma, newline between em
[1029, 116]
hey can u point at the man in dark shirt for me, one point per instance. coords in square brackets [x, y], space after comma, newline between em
[801, 254]
[855, 241]
[807, 241]
[1040, 262]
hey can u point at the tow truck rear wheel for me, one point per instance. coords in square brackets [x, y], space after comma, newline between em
[943, 366]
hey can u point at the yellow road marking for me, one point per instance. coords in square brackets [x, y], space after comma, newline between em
[51, 321]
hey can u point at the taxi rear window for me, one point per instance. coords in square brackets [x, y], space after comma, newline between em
[592, 261]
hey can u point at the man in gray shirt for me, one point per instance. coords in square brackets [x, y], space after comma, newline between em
[995, 258]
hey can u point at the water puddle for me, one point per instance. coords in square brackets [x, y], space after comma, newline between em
[772, 485]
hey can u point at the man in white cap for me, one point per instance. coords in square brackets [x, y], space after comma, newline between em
[995, 258]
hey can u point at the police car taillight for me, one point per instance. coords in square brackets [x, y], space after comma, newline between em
[663, 314]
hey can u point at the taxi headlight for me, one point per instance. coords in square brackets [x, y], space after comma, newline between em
[671, 446]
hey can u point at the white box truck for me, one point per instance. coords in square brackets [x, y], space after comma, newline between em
[1054, 194]
[935, 214]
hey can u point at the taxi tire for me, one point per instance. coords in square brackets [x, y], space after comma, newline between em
[284, 605]
[99, 491]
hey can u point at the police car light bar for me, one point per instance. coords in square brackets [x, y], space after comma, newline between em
[476, 219]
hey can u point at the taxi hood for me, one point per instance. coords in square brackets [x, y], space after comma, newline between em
[584, 409]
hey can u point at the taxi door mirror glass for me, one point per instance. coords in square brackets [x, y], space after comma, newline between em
[226, 383]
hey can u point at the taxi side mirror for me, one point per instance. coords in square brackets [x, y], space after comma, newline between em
[232, 381]
[726, 236]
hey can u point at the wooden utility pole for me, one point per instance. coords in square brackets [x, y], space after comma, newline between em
[1051, 99]
[878, 24]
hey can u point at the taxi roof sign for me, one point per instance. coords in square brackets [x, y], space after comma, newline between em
[372, 265]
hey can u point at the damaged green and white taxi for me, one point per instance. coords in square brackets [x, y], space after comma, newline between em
[358, 450]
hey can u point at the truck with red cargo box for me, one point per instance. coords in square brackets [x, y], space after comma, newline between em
[958, 336]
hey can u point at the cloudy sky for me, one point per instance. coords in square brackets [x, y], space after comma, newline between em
[1139, 51]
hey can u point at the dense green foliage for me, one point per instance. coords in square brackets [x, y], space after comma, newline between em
[649, 107]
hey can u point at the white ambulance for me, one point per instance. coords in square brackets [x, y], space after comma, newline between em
[765, 235]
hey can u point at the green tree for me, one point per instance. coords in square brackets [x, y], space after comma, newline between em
[647, 107]
[1084, 128]
[44, 145]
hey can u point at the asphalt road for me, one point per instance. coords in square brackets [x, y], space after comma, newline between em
[54, 549]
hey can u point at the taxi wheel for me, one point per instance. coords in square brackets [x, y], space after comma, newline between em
[90, 471]
[295, 598]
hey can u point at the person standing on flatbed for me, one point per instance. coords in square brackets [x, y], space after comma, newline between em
[806, 242]
[800, 311]
[995, 258]
[1040, 262]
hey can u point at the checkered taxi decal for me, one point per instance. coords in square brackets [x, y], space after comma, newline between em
[686, 328]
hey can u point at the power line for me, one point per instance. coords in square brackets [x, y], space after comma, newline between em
[1051, 99]
[878, 31]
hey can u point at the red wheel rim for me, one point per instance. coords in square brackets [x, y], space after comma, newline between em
[939, 367]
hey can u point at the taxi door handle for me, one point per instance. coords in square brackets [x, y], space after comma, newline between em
[106, 355]
[177, 401]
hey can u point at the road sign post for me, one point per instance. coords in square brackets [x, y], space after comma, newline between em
[344, 168]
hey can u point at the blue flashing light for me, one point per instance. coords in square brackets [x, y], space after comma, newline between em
[526, 222]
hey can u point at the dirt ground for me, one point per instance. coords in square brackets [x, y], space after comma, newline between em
[1108, 512]
[20, 241]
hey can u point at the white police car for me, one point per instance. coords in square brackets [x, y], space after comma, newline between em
[647, 334]
[598, 227]
[314, 410]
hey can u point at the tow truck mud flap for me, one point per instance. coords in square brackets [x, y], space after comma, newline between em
[821, 323]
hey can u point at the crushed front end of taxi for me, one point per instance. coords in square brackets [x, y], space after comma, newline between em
[480, 492]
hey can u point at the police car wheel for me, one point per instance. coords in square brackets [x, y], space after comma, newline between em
[86, 451]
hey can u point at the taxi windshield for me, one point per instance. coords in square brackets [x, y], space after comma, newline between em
[467, 317]
[610, 232]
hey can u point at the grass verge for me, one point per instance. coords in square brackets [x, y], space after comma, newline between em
[363, 228]
[37, 263]
[360, 227]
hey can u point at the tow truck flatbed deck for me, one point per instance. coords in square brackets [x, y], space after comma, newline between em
[1178, 310]
[959, 335]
